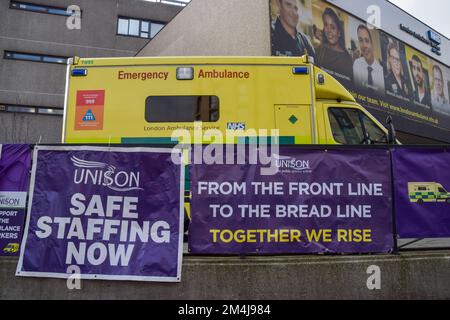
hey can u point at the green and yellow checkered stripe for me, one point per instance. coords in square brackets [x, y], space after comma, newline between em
[428, 196]
[422, 195]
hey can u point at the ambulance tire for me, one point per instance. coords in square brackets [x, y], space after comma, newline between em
[448, 201]
[420, 201]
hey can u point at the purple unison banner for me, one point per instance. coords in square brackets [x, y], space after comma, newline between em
[15, 164]
[422, 196]
[104, 213]
[318, 202]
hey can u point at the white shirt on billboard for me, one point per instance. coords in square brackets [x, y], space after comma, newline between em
[361, 74]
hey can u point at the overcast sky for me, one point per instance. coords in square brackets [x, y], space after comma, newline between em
[435, 13]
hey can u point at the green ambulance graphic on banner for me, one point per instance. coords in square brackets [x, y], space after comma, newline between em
[420, 192]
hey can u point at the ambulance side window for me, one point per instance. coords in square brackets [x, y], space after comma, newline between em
[182, 109]
[351, 126]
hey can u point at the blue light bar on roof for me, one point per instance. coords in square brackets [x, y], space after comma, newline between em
[79, 72]
[300, 70]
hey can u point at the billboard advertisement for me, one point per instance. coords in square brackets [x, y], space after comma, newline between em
[105, 211]
[384, 74]
[422, 196]
[318, 201]
[15, 164]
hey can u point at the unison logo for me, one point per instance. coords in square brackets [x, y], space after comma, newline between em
[7, 201]
[292, 164]
[103, 174]
[13, 200]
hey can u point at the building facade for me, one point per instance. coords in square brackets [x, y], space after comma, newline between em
[392, 63]
[37, 37]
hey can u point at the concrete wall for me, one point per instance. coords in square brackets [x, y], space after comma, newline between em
[42, 84]
[215, 27]
[30, 128]
[423, 275]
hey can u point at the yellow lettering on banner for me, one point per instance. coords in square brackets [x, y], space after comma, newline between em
[259, 235]
[356, 236]
[273, 236]
[327, 236]
[284, 235]
[322, 235]
[290, 236]
[214, 232]
[226, 240]
[251, 236]
[313, 235]
[367, 235]
[295, 235]
[239, 236]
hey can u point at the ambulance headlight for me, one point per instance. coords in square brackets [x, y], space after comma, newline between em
[185, 73]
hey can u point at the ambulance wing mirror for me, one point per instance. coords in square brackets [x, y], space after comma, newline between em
[392, 135]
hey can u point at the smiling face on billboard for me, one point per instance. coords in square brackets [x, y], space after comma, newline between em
[394, 61]
[417, 70]
[289, 15]
[438, 80]
[365, 43]
[331, 29]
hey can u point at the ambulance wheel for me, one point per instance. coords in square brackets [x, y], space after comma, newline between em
[448, 200]
[420, 201]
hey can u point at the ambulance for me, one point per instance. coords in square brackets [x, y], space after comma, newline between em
[11, 248]
[420, 192]
[145, 100]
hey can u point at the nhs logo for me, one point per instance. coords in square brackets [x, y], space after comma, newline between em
[434, 37]
[236, 126]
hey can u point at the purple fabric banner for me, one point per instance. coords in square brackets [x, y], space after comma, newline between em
[422, 196]
[104, 213]
[15, 163]
[318, 202]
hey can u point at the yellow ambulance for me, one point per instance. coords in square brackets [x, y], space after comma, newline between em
[144, 100]
[11, 248]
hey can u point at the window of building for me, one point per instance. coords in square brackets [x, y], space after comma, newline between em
[11, 55]
[31, 109]
[353, 127]
[182, 109]
[156, 27]
[19, 5]
[138, 28]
